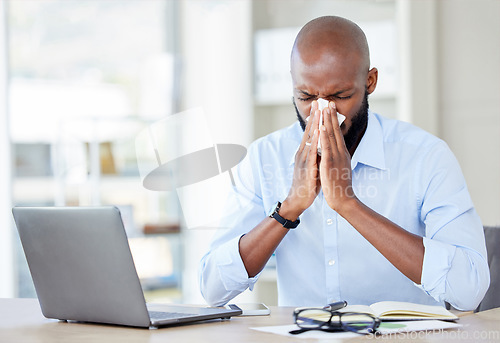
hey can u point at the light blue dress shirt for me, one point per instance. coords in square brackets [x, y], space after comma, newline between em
[399, 171]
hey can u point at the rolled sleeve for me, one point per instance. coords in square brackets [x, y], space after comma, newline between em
[438, 259]
[230, 264]
[457, 275]
[223, 274]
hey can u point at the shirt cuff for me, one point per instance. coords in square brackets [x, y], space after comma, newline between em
[231, 269]
[438, 257]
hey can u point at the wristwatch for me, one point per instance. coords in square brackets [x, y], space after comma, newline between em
[274, 213]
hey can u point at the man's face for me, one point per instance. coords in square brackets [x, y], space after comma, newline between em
[358, 123]
[335, 80]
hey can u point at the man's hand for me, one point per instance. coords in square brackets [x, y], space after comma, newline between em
[402, 248]
[257, 246]
[306, 183]
[335, 165]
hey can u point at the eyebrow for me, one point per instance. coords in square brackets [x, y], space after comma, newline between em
[340, 92]
[329, 95]
[304, 92]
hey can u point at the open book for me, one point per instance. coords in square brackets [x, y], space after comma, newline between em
[398, 310]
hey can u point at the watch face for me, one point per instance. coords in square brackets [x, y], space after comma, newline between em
[273, 209]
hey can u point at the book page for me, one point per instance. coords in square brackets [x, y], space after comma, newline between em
[358, 309]
[399, 309]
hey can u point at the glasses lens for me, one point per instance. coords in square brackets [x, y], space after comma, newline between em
[312, 318]
[358, 322]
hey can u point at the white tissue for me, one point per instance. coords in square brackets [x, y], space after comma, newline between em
[322, 104]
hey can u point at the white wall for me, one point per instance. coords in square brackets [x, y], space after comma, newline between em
[216, 55]
[6, 253]
[469, 95]
[418, 93]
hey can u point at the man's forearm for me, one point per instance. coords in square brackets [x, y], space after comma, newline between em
[403, 249]
[257, 246]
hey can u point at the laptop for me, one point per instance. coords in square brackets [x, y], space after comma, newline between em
[82, 269]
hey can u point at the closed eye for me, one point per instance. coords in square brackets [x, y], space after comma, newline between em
[344, 97]
[306, 98]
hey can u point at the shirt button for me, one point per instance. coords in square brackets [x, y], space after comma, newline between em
[331, 262]
[329, 221]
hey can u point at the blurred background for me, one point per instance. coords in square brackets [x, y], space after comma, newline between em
[79, 81]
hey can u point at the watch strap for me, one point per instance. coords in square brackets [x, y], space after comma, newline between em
[287, 224]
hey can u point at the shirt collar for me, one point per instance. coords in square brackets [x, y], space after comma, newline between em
[370, 150]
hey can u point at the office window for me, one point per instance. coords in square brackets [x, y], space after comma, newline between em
[84, 78]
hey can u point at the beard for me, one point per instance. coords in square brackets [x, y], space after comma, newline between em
[358, 123]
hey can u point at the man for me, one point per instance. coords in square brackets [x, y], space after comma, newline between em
[384, 211]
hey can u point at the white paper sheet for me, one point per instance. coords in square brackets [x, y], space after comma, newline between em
[426, 326]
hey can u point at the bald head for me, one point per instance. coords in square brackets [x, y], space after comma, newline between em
[332, 36]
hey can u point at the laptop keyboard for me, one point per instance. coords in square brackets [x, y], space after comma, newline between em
[155, 315]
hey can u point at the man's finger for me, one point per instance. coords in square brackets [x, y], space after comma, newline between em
[310, 124]
[331, 143]
[337, 133]
[313, 151]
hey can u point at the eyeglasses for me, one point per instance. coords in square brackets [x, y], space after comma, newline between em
[334, 321]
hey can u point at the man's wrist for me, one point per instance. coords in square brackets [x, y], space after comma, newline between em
[348, 206]
[288, 211]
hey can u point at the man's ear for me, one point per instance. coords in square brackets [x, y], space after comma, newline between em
[371, 80]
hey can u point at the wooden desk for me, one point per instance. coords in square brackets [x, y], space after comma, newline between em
[21, 321]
